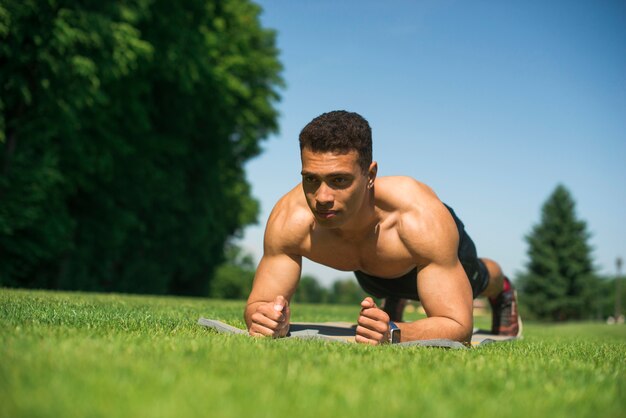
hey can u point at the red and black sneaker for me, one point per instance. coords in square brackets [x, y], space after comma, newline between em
[506, 320]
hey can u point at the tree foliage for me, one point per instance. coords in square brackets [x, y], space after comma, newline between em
[233, 279]
[607, 294]
[559, 283]
[310, 291]
[346, 292]
[124, 127]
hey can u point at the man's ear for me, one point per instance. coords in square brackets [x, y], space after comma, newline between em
[371, 174]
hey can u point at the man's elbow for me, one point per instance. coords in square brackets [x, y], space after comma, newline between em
[466, 334]
[468, 331]
[462, 330]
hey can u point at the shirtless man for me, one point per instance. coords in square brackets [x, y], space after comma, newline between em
[401, 241]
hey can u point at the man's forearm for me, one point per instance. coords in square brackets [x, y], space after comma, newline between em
[436, 328]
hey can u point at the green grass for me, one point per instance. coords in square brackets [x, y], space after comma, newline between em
[94, 355]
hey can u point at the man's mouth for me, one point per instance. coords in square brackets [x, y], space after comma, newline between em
[326, 214]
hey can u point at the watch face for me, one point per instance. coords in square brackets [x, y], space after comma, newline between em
[395, 336]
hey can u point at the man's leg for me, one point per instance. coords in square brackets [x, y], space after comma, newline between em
[503, 300]
[496, 279]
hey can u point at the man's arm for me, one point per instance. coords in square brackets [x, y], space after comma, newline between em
[267, 312]
[445, 292]
[446, 297]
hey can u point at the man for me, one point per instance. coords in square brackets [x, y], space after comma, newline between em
[401, 241]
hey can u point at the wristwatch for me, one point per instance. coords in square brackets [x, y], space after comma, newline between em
[394, 333]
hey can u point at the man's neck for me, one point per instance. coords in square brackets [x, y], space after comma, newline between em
[362, 224]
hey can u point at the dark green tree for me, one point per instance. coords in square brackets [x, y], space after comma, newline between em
[124, 128]
[559, 283]
[346, 292]
[233, 279]
[310, 291]
[606, 295]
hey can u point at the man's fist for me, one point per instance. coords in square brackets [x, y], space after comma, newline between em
[271, 319]
[373, 324]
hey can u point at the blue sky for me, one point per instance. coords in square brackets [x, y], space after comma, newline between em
[491, 103]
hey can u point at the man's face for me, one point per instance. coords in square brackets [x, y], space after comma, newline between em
[334, 185]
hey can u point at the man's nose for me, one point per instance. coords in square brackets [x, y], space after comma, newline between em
[324, 195]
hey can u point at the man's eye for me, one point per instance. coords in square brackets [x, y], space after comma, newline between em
[310, 179]
[340, 181]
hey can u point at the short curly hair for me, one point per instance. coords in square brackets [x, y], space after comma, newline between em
[341, 132]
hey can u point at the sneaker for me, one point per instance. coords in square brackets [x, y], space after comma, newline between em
[506, 320]
[394, 307]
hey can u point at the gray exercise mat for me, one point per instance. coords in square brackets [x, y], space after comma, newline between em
[344, 332]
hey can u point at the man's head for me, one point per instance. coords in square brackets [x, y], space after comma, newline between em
[337, 169]
[339, 132]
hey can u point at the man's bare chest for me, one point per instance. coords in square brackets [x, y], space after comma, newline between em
[380, 254]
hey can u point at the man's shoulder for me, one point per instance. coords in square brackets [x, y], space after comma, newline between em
[423, 222]
[290, 221]
[404, 193]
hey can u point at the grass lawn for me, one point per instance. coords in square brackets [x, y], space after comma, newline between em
[95, 355]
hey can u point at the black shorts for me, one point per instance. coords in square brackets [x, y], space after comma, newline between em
[406, 286]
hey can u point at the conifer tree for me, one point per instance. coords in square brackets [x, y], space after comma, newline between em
[560, 281]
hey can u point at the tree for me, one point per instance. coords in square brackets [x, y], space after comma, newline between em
[233, 279]
[124, 129]
[346, 292]
[606, 295]
[559, 283]
[310, 291]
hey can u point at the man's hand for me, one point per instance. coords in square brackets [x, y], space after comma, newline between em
[373, 324]
[271, 319]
